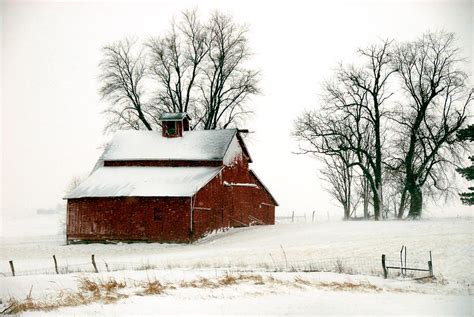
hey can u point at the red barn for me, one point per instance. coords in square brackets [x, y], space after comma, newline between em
[170, 187]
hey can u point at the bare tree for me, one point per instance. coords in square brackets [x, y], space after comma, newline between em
[438, 100]
[226, 85]
[122, 73]
[325, 134]
[73, 183]
[395, 195]
[175, 61]
[199, 68]
[351, 115]
[372, 80]
[340, 180]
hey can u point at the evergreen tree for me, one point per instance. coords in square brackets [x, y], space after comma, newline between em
[467, 134]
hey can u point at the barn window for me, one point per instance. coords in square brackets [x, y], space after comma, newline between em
[158, 214]
[170, 127]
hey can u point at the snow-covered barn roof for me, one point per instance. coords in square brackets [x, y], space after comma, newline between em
[173, 116]
[144, 182]
[207, 145]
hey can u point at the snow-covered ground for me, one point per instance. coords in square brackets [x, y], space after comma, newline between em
[353, 248]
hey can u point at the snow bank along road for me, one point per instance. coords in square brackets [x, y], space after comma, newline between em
[348, 247]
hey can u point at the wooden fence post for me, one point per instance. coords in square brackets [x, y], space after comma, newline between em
[12, 268]
[405, 260]
[55, 264]
[293, 217]
[93, 264]
[430, 264]
[401, 261]
[385, 273]
[312, 220]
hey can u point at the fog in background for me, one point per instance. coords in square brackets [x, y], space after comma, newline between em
[51, 122]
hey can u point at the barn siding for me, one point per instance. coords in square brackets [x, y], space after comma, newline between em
[129, 218]
[218, 206]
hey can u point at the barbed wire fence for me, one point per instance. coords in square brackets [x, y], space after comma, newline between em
[371, 266]
[314, 216]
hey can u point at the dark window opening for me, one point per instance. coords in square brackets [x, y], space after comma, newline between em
[158, 215]
[170, 128]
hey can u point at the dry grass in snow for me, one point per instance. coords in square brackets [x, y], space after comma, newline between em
[110, 291]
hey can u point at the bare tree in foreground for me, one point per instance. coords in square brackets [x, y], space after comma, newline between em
[351, 116]
[438, 100]
[410, 144]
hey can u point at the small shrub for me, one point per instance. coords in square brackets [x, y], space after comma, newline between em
[340, 267]
[153, 287]
[300, 280]
[112, 285]
[227, 280]
[204, 282]
[256, 278]
[146, 266]
[89, 285]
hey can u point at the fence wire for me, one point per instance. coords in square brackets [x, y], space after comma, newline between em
[348, 265]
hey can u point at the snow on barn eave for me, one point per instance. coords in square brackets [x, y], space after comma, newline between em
[137, 181]
[244, 147]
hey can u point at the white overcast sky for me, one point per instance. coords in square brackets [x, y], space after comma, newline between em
[51, 126]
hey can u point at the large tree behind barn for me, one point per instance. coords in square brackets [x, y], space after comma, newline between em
[226, 84]
[198, 67]
[176, 63]
[122, 73]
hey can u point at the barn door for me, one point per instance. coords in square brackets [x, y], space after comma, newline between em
[266, 214]
[240, 207]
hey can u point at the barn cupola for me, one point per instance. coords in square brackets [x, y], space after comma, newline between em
[174, 124]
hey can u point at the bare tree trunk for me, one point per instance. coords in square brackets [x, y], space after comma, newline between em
[377, 205]
[401, 208]
[347, 211]
[366, 198]
[416, 202]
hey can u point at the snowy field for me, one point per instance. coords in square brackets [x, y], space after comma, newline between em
[256, 270]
